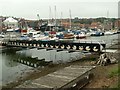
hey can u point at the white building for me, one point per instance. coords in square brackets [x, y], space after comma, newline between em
[11, 23]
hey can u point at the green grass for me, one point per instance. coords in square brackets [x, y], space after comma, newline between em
[114, 72]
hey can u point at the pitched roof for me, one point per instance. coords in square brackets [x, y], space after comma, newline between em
[10, 19]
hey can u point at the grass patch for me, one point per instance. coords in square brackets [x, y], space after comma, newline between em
[114, 72]
[115, 86]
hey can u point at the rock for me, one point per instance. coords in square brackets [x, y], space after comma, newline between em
[113, 60]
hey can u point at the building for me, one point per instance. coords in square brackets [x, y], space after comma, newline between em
[117, 24]
[108, 25]
[96, 25]
[10, 23]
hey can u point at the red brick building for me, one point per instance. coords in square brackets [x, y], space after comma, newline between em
[96, 25]
[117, 24]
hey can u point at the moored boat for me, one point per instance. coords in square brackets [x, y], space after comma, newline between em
[108, 33]
[81, 35]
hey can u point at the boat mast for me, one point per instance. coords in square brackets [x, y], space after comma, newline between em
[55, 17]
[107, 20]
[61, 18]
[107, 14]
[49, 20]
[70, 18]
[38, 20]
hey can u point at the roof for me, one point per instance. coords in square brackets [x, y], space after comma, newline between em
[10, 19]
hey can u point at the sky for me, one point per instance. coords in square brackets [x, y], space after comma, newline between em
[79, 8]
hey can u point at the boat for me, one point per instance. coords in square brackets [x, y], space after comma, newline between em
[2, 35]
[80, 35]
[97, 33]
[34, 34]
[108, 33]
[68, 36]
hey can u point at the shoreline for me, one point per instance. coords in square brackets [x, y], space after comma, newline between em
[39, 72]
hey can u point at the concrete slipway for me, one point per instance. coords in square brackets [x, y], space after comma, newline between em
[68, 77]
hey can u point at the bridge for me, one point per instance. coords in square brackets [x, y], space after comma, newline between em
[91, 46]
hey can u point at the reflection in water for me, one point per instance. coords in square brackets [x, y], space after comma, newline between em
[16, 63]
[11, 70]
[8, 60]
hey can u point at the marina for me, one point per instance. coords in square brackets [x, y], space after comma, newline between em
[59, 44]
[29, 58]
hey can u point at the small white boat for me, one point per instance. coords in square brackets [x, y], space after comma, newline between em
[54, 38]
[80, 35]
[2, 36]
[108, 33]
[34, 34]
[10, 30]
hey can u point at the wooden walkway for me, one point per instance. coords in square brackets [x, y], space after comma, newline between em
[64, 78]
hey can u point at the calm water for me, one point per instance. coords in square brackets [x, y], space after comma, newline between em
[108, 39]
[11, 70]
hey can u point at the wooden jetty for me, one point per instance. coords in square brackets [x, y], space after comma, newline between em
[68, 45]
[70, 77]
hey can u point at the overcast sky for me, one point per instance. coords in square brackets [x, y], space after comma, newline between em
[79, 8]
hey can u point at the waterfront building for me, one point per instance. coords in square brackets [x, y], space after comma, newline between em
[117, 24]
[11, 23]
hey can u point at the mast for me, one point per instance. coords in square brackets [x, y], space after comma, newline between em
[55, 17]
[107, 14]
[61, 18]
[49, 20]
[38, 20]
[107, 20]
[70, 18]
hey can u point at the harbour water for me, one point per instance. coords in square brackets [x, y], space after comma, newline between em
[11, 70]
